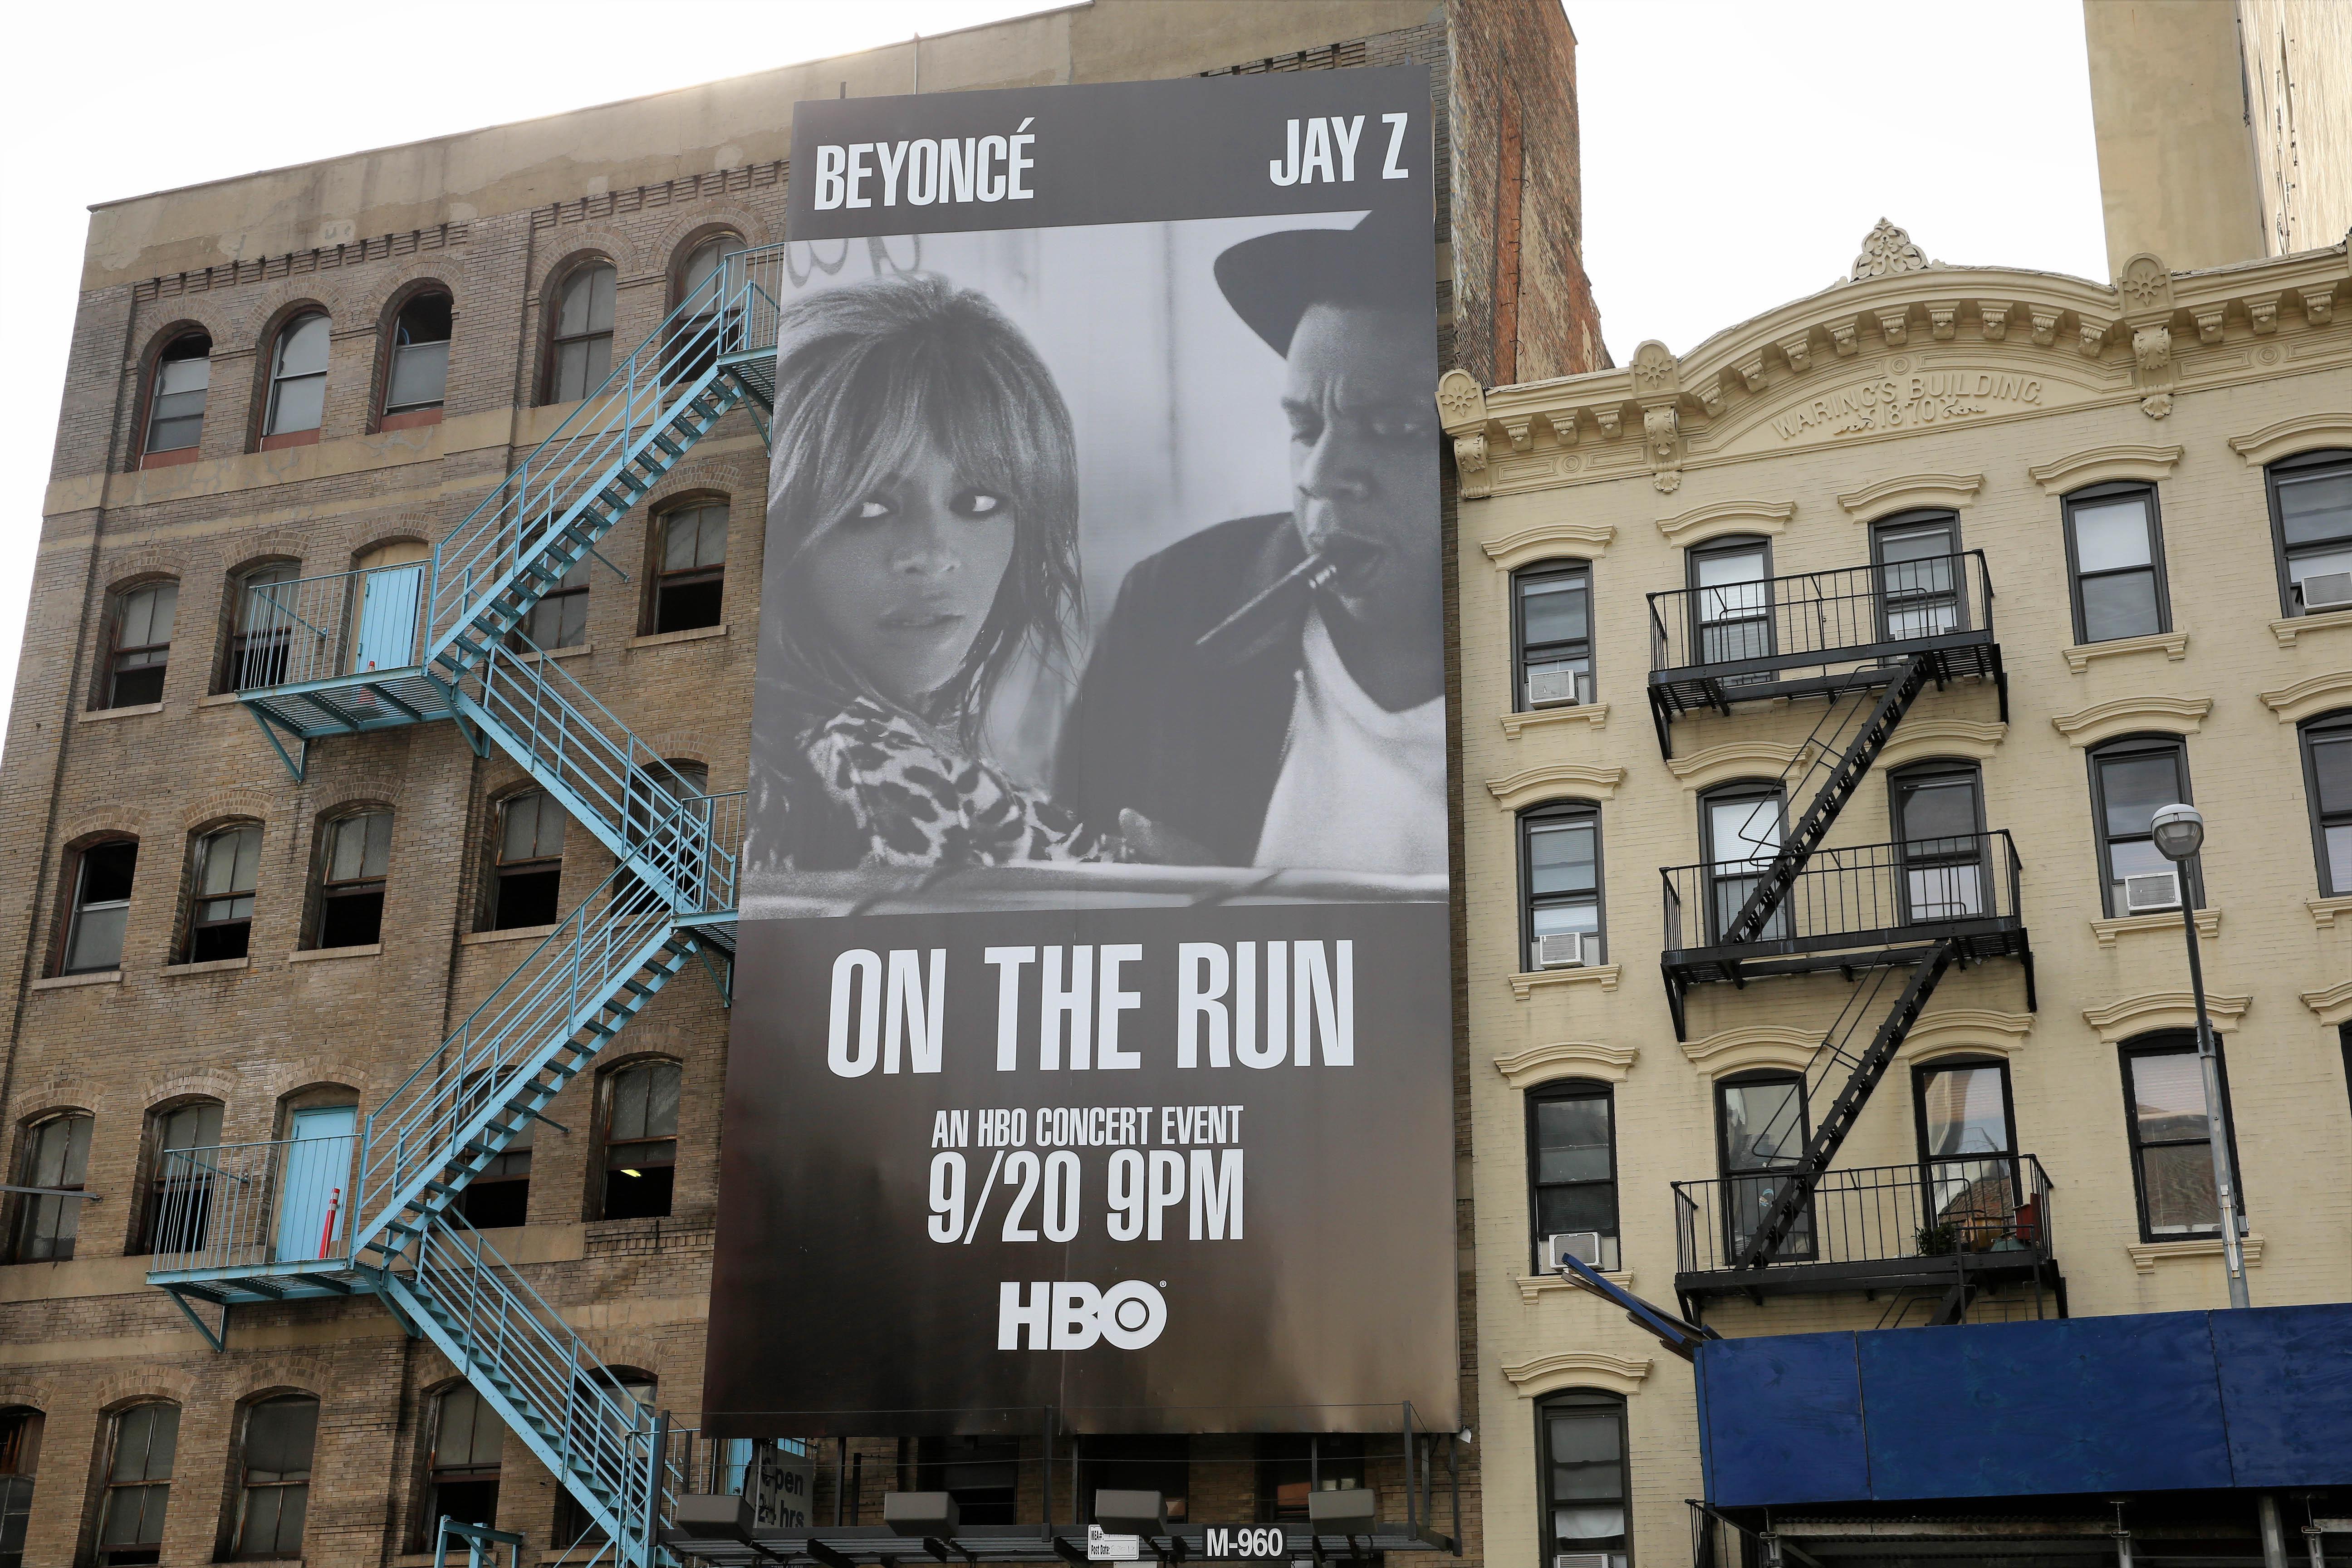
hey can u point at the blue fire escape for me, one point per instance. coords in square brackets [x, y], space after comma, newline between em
[442, 639]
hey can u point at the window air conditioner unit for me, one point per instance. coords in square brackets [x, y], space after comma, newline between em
[1563, 949]
[2151, 891]
[1584, 1245]
[1581, 1559]
[2327, 591]
[1559, 688]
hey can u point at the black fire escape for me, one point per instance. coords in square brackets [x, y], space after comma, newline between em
[1866, 643]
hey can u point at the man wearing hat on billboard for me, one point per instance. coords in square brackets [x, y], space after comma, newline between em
[1270, 690]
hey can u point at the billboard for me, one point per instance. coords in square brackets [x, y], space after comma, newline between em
[1091, 1041]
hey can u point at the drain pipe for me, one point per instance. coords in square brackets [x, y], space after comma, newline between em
[2123, 1538]
[2318, 1552]
[2266, 1509]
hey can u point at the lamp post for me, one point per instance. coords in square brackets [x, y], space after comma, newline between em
[2179, 832]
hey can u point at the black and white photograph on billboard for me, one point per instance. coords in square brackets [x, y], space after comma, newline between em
[1092, 1035]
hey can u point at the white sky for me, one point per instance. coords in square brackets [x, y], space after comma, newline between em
[1734, 153]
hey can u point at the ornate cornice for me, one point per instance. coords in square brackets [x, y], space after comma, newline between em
[1905, 491]
[2313, 694]
[2098, 465]
[2122, 716]
[1566, 1058]
[1701, 523]
[1553, 779]
[2285, 438]
[1541, 543]
[1578, 1369]
[2151, 1010]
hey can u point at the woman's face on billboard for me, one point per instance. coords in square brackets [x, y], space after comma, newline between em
[905, 577]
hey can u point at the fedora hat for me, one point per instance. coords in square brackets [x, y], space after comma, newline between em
[1272, 279]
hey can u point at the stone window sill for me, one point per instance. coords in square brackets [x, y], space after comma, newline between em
[322, 954]
[513, 933]
[174, 458]
[278, 443]
[217, 700]
[210, 966]
[581, 651]
[1593, 713]
[663, 639]
[2146, 1255]
[2293, 627]
[1533, 1287]
[1602, 974]
[2173, 645]
[2324, 912]
[67, 982]
[99, 715]
[2208, 925]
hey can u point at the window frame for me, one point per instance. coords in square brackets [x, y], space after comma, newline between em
[557, 340]
[1587, 1399]
[2179, 1042]
[573, 585]
[31, 1207]
[2322, 729]
[109, 1487]
[2096, 494]
[240, 636]
[1529, 822]
[21, 1428]
[279, 378]
[1554, 569]
[608, 1090]
[2192, 876]
[77, 907]
[2292, 468]
[150, 455]
[200, 857]
[154, 1159]
[1903, 780]
[1807, 1230]
[662, 582]
[393, 415]
[1732, 791]
[247, 1487]
[1705, 550]
[118, 605]
[1881, 592]
[327, 888]
[472, 1473]
[503, 870]
[1554, 1092]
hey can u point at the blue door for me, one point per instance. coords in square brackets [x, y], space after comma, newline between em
[388, 618]
[315, 1192]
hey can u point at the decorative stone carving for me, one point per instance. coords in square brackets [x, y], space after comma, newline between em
[1751, 372]
[2208, 325]
[1942, 320]
[2319, 304]
[2093, 337]
[1885, 251]
[2262, 311]
[1712, 399]
[1993, 319]
[1799, 351]
[2296, 432]
[1662, 433]
[2098, 465]
[2156, 405]
[1461, 402]
[1521, 431]
[1842, 338]
[1610, 420]
[1654, 370]
[1562, 424]
[1470, 460]
[2152, 347]
[2045, 325]
[2145, 285]
[1895, 324]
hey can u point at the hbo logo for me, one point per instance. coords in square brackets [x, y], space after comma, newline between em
[1071, 1315]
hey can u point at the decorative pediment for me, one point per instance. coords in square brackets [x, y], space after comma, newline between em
[1552, 782]
[2098, 465]
[1958, 1030]
[1578, 1369]
[2285, 438]
[2152, 1010]
[1584, 541]
[1885, 251]
[1905, 491]
[2332, 1005]
[1705, 522]
[2125, 715]
[1749, 1046]
[2305, 699]
[1918, 739]
[1566, 1058]
[1736, 759]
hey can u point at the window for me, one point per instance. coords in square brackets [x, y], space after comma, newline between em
[1968, 1149]
[463, 1467]
[1761, 1121]
[298, 377]
[101, 904]
[2327, 786]
[2114, 549]
[1741, 825]
[20, 1456]
[141, 631]
[1559, 848]
[144, 1443]
[692, 573]
[2131, 781]
[698, 284]
[175, 406]
[180, 1185]
[1919, 579]
[640, 1140]
[981, 1473]
[500, 1194]
[228, 864]
[420, 356]
[2311, 521]
[583, 334]
[1938, 819]
[530, 862]
[2172, 1137]
[1554, 605]
[352, 871]
[1731, 600]
[1572, 1168]
[572, 1523]
[56, 1155]
[1291, 1466]
[560, 618]
[262, 627]
[279, 1434]
[1585, 1490]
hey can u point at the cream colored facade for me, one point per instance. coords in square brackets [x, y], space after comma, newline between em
[1993, 393]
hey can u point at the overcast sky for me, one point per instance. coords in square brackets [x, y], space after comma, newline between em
[1735, 154]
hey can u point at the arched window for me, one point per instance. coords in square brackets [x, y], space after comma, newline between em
[583, 355]
[139, 633]
[419, 372]
[280, 1436]
[1586, 1488]
[1559, 876]
[690, 571]
[699, 336]
[180, 1183]
[558, 618]
[2327, 787]
[354, 862]
[57, 1158]
[20, 1457]
[261, 626]
[142, 1443]
[101, 875]
[462, 1470]
[500, 1193]
[639, 1139]
[228, 866]
[529, 869]
[1552, 629]
[637, 1391]
[176, 405]
[297, 381]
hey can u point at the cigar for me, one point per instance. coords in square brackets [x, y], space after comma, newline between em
[1313, 573]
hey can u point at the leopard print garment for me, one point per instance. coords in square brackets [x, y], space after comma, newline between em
[917, 805]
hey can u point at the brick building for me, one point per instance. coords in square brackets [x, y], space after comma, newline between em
[227, 933]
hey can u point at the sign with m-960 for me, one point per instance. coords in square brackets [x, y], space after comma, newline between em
[1258, 1543]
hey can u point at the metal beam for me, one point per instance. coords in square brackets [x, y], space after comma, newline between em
[216, 1338]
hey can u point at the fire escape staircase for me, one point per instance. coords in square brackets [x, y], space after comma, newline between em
[442, 638]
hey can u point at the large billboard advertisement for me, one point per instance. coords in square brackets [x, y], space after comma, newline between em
[1092, 1021]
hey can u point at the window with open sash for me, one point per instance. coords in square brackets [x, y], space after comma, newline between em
[55, 1158]
[352, 869]
[142, 1446]
[1553, 601]
[560, 618]
[280, 1436]
[2131, 781]
[1742, 825]
[2172, 1137]
[298, 377]
[20, 1458]
[499, 1195]
[141, 634]
[1968, 1154]
[263, 608]
[462, 1470]
[183, 1145]
[689, 584]
[1731, 600]
[628, 1409]
[1938, 819]
[583, 354]
[2327, 785]
[1587, 1492]
[419, 373]
[175, 408]
[640, 1140]
[529, 864]
[1573, 1171]
[1918, 558]
[2310, 523]
[1761, 1121]
[2116, 554]
[1560, 872]
[228, 865]
[101, 906]
[702, 336]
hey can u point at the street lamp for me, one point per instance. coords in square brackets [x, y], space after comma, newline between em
[2179, 832]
